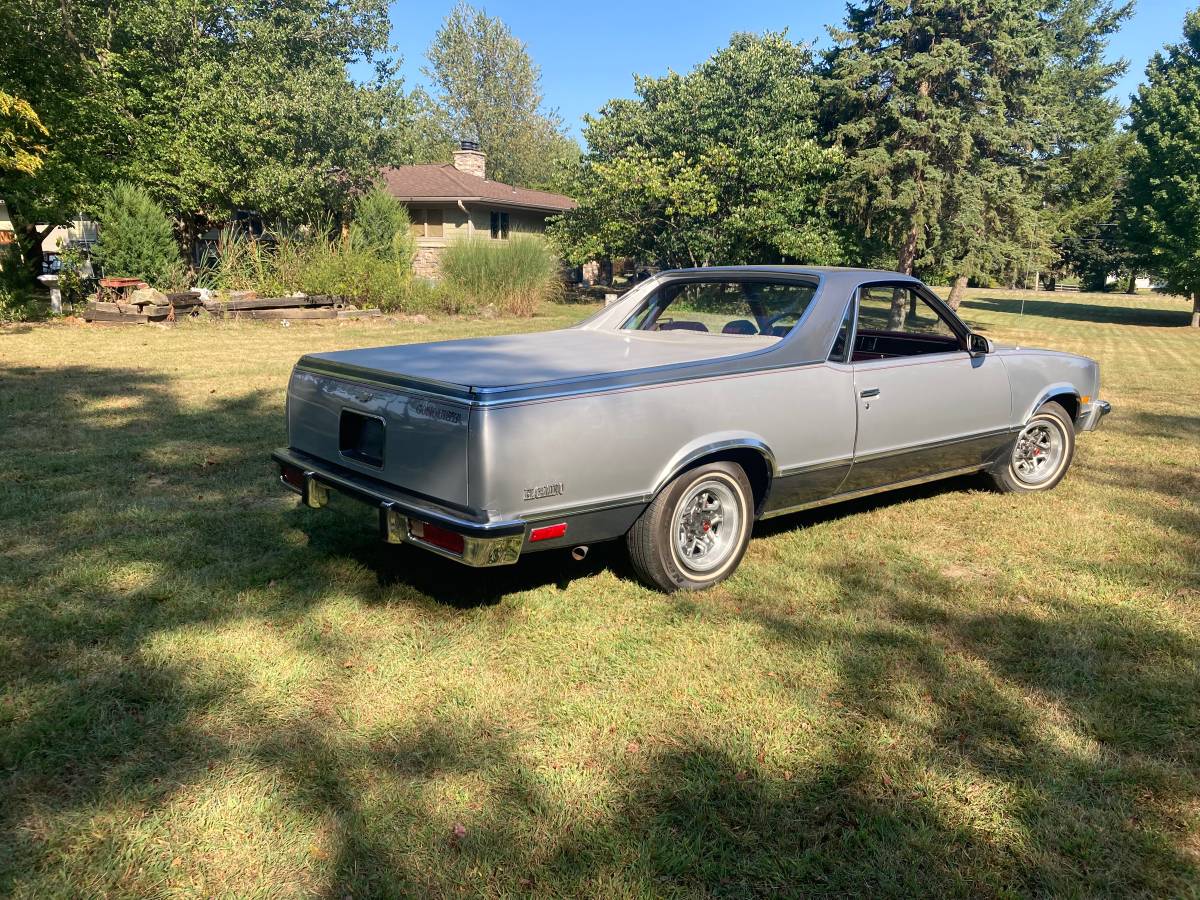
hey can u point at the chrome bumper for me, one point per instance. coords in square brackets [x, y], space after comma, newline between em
[402, 516]
[1090, 418]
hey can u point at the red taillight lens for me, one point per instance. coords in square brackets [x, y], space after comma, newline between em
[546, 532]
[293, 476]
[438, 536]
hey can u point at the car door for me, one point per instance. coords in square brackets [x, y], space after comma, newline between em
[926, 405]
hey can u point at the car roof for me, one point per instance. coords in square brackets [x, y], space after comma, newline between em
[840, 276]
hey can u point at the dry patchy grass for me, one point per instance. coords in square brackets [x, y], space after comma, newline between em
[207, 690]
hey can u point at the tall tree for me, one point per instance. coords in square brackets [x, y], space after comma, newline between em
[1161, 215]
[945, 110]
[490, 90]
[1084, 194]
[211, 105]
[717, 166]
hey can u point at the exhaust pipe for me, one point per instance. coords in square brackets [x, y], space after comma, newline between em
[579, 554]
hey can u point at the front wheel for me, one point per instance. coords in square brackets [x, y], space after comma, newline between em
[695, 532]
[1041, 455]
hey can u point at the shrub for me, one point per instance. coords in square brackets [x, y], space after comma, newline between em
[136, 240]
[310, 263]
[381, 228]
[74, 278]
[370, 266]
[16, 295]
[515, 275]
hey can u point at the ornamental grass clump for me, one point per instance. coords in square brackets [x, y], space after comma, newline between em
[514, 276]
[370, 265]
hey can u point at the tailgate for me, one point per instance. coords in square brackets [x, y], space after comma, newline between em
[405, 438]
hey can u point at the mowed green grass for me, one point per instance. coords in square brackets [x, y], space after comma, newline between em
[206, 690]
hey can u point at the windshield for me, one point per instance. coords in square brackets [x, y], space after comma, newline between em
[734, 308]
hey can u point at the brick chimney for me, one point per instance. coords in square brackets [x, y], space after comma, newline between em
[470, 159]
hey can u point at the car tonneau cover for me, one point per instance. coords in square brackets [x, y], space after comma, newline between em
[474, 367]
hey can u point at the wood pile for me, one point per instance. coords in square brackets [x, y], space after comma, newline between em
[317, 306]
[140, 306]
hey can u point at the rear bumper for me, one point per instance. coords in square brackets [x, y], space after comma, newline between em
[1091, 417]
[404, 517]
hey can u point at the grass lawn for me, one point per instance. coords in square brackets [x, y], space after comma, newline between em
[205, 689]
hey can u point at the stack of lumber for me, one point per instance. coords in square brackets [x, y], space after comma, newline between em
[151, 306]
[316, 306]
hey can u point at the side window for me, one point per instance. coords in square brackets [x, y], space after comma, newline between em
[899, 309]
[894, 320]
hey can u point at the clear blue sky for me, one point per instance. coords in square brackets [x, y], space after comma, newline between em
[589, 51]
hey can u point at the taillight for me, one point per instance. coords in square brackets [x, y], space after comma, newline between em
[546, 532]
[436, 535]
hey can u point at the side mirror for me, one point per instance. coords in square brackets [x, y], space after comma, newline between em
[977, 343]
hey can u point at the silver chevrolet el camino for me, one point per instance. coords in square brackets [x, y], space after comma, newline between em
[701, 401]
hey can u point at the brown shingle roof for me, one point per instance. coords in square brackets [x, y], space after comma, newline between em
[445, 182]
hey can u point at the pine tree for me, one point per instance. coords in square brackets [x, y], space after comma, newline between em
[136, 239]
[947, 112]
[1162, 214]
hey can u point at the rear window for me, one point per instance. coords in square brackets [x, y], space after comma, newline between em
[731, 308]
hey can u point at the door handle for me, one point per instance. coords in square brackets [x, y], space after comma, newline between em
[869, 392]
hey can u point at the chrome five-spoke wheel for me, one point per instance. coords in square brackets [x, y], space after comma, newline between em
[707, 526]
[1041, 454]
[694, 533]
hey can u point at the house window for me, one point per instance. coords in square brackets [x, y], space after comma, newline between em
[499, 226]
[426, 223]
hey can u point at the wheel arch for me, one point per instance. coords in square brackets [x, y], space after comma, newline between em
[750, 452]
[1063, 393]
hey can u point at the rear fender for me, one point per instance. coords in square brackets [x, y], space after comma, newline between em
[711, 446]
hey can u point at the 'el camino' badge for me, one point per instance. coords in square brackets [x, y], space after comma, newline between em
[544, 490]
[438, 413]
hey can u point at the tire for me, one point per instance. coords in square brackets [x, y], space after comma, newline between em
[658, 542]
[1041, 454]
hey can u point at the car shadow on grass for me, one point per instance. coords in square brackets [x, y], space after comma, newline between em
[836, 511]
[443, 580]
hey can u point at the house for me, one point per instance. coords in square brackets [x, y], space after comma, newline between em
[79, 234]
[447, 202]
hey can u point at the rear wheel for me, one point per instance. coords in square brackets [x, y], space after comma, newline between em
[1041, 455]
[695, 532]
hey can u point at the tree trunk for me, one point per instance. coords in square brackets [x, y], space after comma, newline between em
[908, 251]
[1196, 310]
[957, 289]
[31, 248]
[896, 314]
[1131, 287]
